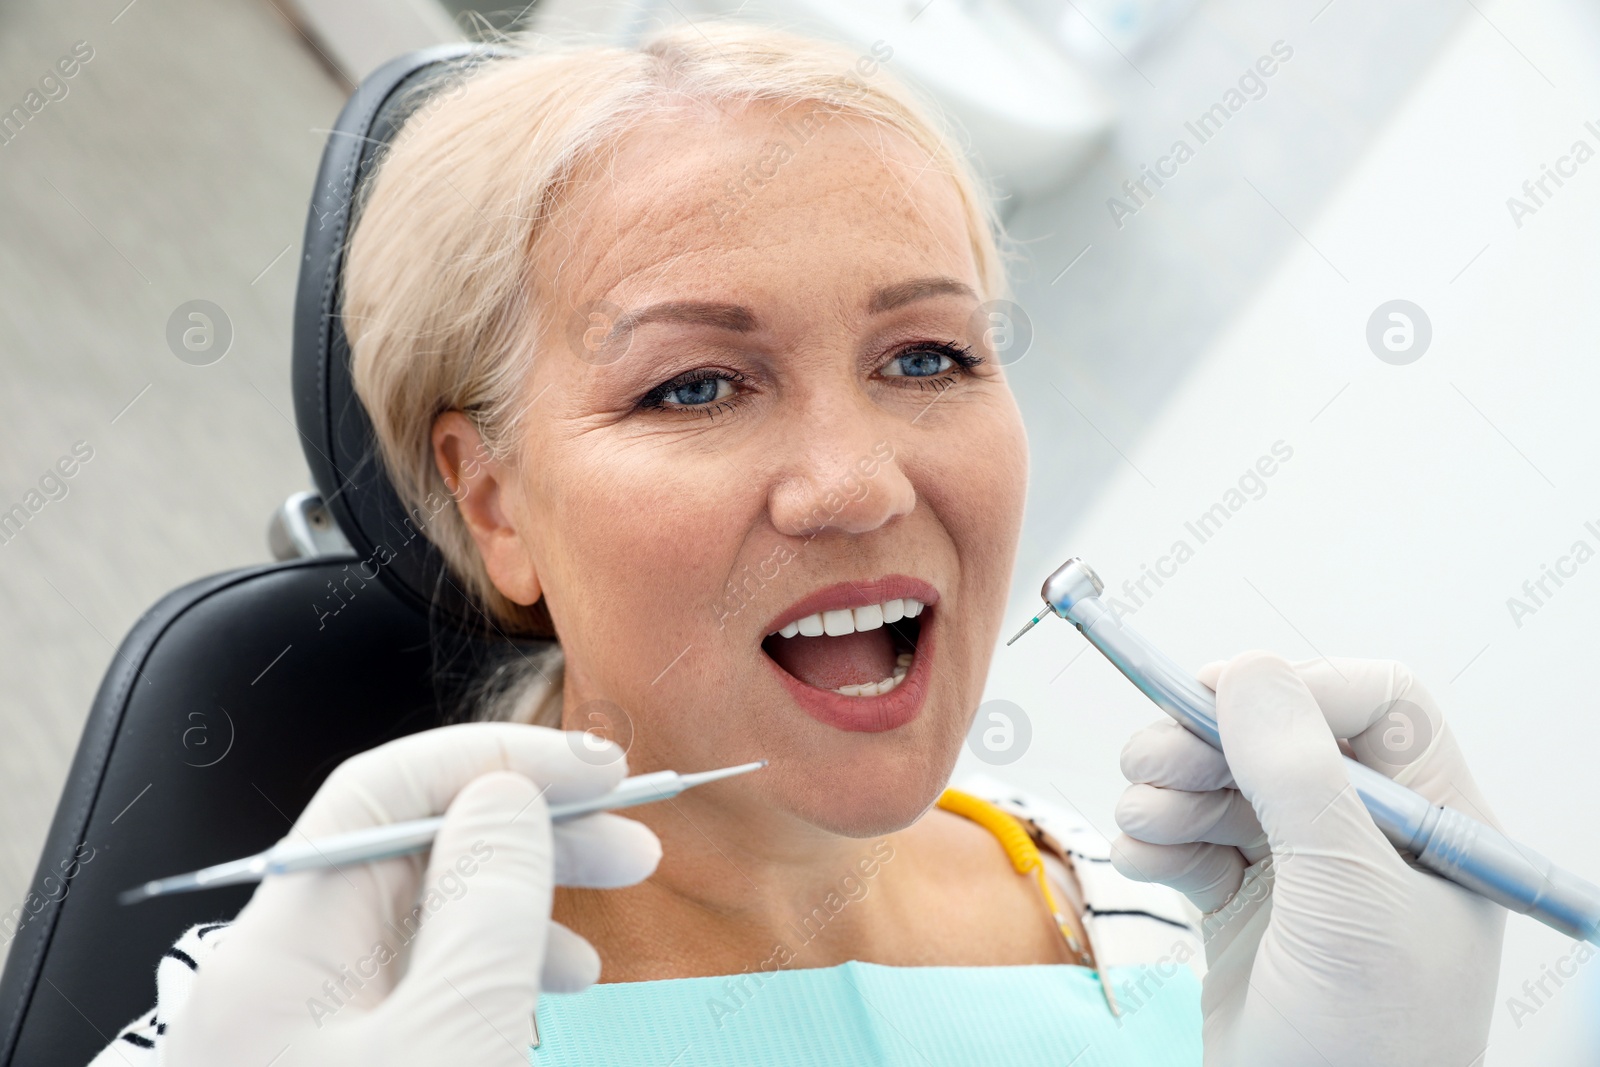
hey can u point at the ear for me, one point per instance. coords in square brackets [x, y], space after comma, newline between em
[485, 493]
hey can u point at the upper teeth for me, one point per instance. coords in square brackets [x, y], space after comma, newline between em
[843, 621]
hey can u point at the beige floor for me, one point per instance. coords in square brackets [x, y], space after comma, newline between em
[177, 167]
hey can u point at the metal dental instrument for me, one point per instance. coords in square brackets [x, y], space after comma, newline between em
[404, 838]
[1442, 839]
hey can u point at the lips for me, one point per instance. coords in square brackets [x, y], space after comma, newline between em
[857, 655]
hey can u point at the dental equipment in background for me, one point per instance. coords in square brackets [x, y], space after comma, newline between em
[404, 838]
[1442, 839]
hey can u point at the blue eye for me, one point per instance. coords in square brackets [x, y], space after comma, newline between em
[699, 391]
[929, 361]
[703, 391]
[919, 364]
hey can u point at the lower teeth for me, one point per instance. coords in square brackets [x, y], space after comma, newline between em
[902, 663]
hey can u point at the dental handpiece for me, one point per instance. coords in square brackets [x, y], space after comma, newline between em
[1445, 841]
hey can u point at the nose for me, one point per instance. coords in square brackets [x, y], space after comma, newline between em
[844, 475]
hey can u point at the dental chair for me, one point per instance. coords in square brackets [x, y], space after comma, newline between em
[232, 698]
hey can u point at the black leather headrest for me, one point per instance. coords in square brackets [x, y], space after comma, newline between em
[335, 432]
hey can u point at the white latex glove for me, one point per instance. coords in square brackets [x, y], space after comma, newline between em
[464, 989]
[1324, 945]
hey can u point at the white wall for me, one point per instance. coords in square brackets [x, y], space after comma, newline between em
[1416, 502]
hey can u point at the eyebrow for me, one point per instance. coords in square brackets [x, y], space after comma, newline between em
[733, 317]
[740, 319]
[902, 293]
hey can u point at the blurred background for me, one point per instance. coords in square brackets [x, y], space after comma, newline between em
[1180, 314]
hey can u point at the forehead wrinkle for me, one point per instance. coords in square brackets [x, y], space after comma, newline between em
[671, 211]
[609, 192]
[675, 230]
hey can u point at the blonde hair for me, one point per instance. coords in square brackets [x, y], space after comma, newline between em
[441, 302]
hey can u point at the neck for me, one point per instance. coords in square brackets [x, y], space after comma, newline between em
[734, 894]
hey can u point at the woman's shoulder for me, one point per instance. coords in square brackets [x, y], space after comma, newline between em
[1129, 921]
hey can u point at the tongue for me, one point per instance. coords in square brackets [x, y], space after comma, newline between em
[832, 662]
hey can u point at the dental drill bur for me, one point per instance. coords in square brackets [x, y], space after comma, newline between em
[1031, 624]
[1452, 845]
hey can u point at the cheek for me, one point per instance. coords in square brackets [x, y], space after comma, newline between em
[643, 531]
[977, 481]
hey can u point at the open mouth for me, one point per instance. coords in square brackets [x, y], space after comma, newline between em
[857, 656]
[855, 652]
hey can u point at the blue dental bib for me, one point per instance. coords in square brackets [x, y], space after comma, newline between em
[864, 1013]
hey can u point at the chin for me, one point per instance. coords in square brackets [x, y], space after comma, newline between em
[870, 790]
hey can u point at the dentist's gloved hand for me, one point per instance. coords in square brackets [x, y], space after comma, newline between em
[1324, 945]
[307, 975]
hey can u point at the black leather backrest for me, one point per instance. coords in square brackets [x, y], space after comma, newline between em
[231, 699]
[223, 710]
[335, 432]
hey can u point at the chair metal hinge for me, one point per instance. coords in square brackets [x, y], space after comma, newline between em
[303, 528]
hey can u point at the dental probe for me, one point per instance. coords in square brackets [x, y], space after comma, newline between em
[1445, 841]
[404, 838]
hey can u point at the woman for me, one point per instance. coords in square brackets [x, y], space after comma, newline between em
[694, 336]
